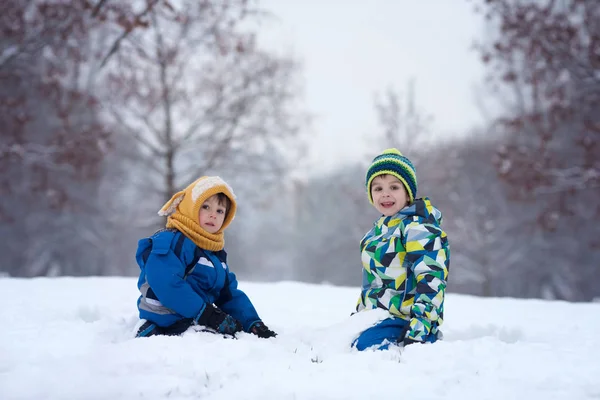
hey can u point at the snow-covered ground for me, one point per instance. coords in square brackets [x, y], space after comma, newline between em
[71, 338]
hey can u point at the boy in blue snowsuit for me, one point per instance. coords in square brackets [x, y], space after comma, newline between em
[405, 258]
[185, 280]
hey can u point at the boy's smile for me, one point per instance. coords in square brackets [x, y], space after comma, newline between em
[389, 194]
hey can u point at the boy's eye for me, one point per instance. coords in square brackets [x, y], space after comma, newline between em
[221, 211]
[377, 189]
[205, 206]
[395, 187]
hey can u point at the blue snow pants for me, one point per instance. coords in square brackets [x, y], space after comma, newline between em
[384, 333]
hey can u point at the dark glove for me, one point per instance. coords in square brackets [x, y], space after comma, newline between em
[404, 340]
[213, 317]
[260, 329]
[408, 341]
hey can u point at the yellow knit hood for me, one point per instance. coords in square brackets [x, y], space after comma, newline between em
[182, 211]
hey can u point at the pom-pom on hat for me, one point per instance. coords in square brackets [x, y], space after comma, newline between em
[392, 162]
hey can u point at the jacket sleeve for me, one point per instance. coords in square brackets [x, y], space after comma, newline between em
[165, 275]
[426, 252]
[236, 303]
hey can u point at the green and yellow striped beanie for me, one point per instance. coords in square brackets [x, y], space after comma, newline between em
[392, 162]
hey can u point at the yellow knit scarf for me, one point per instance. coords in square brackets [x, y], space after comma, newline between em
[191, 229]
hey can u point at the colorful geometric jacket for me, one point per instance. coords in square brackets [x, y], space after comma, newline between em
[406, 258]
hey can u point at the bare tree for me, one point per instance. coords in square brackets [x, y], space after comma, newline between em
[404, 125]
[53, 144]
[47, 112]
[549, 51]
[477, 215]
[198, 94]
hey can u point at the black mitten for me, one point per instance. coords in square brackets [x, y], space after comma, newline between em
[408, 341]
[260, 329]
[213, 317]
[404, 340]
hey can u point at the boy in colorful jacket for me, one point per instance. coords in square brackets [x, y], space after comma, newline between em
[405, 258]
[184, 279]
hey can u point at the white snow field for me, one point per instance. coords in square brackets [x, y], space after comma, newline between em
[71, 338]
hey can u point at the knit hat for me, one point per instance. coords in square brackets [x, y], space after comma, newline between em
[182, 211]
[392, 162]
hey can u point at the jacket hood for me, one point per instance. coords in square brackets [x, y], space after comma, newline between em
[422, 208]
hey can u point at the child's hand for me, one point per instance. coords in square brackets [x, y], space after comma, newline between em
[260, 329]
[213, 317]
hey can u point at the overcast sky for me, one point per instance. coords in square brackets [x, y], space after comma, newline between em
[352, 49]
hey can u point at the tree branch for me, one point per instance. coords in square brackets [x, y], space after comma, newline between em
[117, 43]
[97, 8]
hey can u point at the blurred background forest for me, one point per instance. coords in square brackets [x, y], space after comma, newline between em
[109, 107]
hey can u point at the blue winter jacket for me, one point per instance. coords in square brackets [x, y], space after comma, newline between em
[178, 279]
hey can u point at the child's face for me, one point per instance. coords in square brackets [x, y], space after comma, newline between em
[211, 214]
[389, 194]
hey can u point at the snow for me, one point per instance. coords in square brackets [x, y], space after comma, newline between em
[71, 338]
